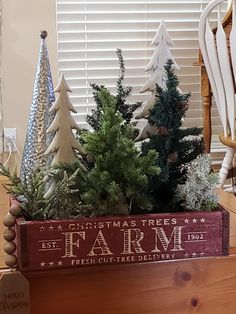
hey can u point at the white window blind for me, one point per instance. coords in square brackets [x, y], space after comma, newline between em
[90, 31]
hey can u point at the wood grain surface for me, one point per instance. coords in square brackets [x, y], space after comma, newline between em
[206, 286]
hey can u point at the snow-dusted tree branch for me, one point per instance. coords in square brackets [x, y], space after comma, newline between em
[199, 191]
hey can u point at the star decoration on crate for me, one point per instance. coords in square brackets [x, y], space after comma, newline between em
[194, 220]
[50, 264]
[50, 228]
[194, 254]
[42, 264]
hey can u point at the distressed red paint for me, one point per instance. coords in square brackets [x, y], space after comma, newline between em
[133, 239]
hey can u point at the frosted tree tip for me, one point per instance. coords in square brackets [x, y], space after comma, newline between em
[43, 34]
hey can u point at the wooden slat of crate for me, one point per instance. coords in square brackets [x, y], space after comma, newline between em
[203, 286]
[120, 239]
[228, 200]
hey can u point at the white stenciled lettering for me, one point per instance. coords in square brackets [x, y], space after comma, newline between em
[100, 245]
[70, 242]
[135, 242]
[71, 226]
[162, 237]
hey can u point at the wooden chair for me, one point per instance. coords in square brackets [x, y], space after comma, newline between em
[220, 64]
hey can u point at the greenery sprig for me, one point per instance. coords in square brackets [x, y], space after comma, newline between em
[64, 203]
[122, 106]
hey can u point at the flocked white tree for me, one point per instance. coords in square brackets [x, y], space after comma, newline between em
[162, 53]
[64, 142]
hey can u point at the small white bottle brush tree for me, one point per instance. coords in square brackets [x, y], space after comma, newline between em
[162, 53]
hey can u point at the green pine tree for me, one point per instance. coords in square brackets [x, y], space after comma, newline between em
[126, 110]
[175, 145]
[118, 181]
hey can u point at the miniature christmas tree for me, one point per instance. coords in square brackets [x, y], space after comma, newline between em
[126, 110]
[199, 191]
[162, 53]
[175, 145]
[119, 178]
[64, 142]
[39, 120]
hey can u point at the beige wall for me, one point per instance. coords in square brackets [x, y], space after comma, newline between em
[22, 21]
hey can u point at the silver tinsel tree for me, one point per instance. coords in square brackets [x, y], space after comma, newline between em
[199, 191]
[39, 119]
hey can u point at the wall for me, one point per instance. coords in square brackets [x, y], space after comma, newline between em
[22, 21]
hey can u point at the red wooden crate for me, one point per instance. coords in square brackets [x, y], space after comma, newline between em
[119, 239]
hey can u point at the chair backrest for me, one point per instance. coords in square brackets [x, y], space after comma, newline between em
[218, 62]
